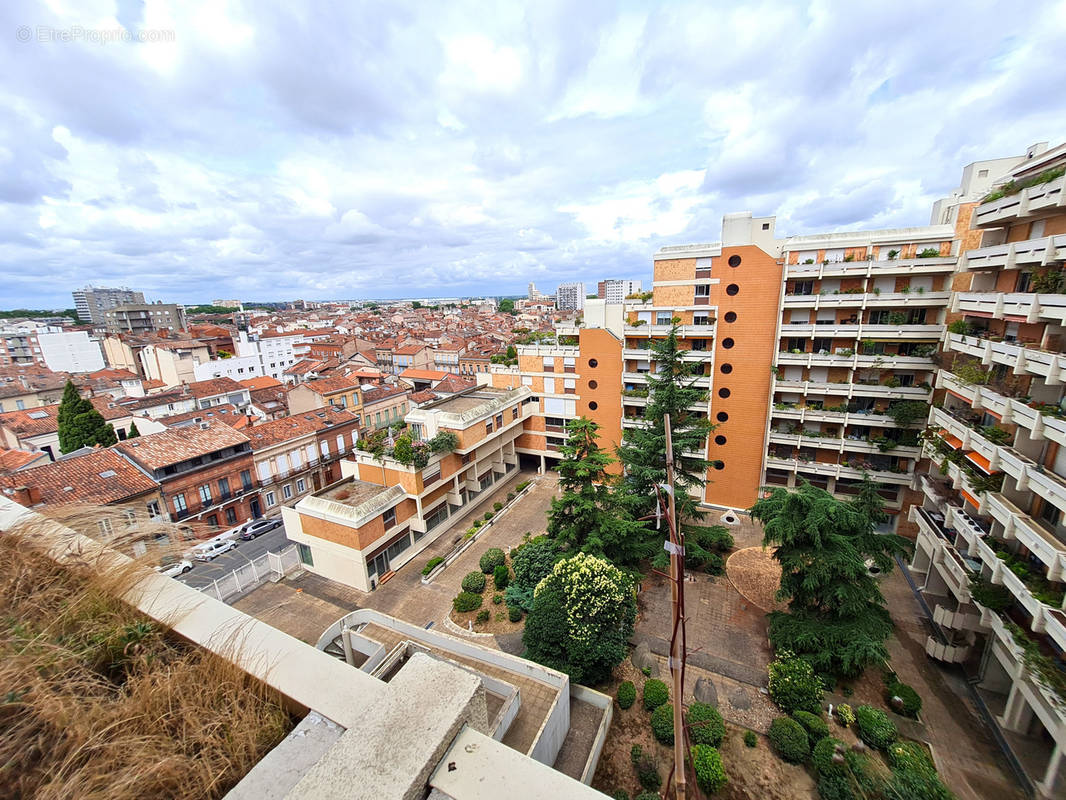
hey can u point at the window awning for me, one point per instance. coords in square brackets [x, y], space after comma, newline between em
[969, 498]
[954, 442]
[981, 463]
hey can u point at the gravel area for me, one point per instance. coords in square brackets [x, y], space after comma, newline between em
[754, 573]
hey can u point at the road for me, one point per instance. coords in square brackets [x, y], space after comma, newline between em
[203, 572]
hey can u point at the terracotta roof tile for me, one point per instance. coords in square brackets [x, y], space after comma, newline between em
[265, 382]
[180, 444]
[97, 477]
[38, 421]
[213, 387]
[268, 434]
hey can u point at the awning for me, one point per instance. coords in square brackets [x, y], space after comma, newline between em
[954, 442]
[961, 397]
[982, 463]
[969, 498]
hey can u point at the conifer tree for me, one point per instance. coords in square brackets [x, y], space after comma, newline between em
[836, 616]
[70, 407]
[133, 433]
[89, 429]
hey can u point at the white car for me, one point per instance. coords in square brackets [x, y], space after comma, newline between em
[173, 567]
[211, 548]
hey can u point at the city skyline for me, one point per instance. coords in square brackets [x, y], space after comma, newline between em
[270, 157]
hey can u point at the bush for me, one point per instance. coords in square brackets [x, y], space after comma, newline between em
[432, 565]
[815, 726]
[707, 764]
[474, 582]
[500, 576]
[510, 496]
[514, 613]
[789, 740]
[519, 487]
[662, 723]
[875, 728]
[647, 796]
[482, 616]
[910, 701]
[492, 558]
[476, 524]
[705, 724]
[533, 561]
[488, 515]
[793, 685]
[909, 756]
[497, 506]
[635, 752]
[655, 693]
[845, 715]
[627, 694]
[497, 599]
[647, 769]
[835, 787]
[466, 601]
[714, 565]
[620, 794]
[828, 757]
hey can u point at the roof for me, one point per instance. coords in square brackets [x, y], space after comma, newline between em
[214, 386]
[175, 445]
[333, 384]
[424, 374]
[454, 384]
[98, 477]
[409, 350]
[109, 374]
[38, 421]
[225, 412]
[423, 397]
[265, 382]
[380, 393]
[11, 460]
[268, 434]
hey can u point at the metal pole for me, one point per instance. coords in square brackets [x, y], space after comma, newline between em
[677, 564]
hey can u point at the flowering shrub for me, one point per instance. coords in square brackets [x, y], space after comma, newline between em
[845, 715]
[793, 685]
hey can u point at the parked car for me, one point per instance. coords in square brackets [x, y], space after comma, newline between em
[172, 567]
[214, 547]
[258, 526]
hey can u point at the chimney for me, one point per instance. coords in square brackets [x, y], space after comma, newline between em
[27, 496]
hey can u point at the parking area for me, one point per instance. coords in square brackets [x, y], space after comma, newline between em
[204, 572]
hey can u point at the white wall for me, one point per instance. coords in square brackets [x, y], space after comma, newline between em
[70, 352]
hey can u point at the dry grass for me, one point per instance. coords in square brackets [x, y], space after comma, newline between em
[754, 573]
[99, 701]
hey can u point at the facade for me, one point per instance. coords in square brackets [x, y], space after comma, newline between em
[570, 296]
[220, 391]
[616, 291]
[93, 302]
[384, 513]
[336, 391]
[141, 318]
[384, 406]
[172, 362]
[70, 351]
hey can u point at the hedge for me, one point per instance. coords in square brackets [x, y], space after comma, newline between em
[466, 601]
[491, 559]
[705, 724]
[875, 728]
[911, 701]
[707, 764]
[662, 723]
[655, 693]
[789, 740]
[474, 582]
[432, 564]
[519, 487]
[815, 726]
[627, 694]
[500, 576]
[827, 758]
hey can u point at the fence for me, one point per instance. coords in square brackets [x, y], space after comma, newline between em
[258, 570]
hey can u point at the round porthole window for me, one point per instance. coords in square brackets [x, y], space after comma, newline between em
[727, 368]
[727, 343]
[593, 363]
[734, 261]
[722, 416]
[593, 405]
[719, 465]
[732, 290]
[731, 316]
[719, 439]
[723, 392]
[593, 384]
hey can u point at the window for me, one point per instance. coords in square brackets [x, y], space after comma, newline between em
[803, 287]
[699, 344]
[301, 485]
[305, 555]
[1050, 514]
[514, 413]
[664, 318]
[205, 494]
[822, 345]
[246, 479]
[105, 526]
[1025, 282]
[231, 516]
[488, 426]
[153, 509]
[701, 319]
[20, 405]
[388, 519]
[796, 344]
[703, 290]
[271, 499]
[179, 503]
[499, 421]
[286, 491]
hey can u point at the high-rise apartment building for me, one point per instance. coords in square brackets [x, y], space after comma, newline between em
[140, 318]
[616, 291]
[92, 301]
[570, 296]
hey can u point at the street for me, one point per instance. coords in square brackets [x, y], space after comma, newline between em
[203, 572]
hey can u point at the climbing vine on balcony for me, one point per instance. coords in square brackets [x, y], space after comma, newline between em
[1041, 667]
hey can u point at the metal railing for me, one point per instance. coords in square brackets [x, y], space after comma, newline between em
[254, 572]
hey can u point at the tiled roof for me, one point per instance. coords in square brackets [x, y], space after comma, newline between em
[379, 393]
[38, 421]
[409, 350]
[112, 375]
[180, 444]
[265, 382]
[268, 434]
[97, 477]
[332, 384]
[213, 387]
[453, 384]
[11, 460]
[223, 411]
[424, 374]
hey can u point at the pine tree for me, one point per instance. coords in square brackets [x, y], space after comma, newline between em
[836, 616]
[133, 433]
[588, 516]
[70, 407]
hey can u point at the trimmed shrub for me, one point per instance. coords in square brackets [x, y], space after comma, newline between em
[514, 613]
[815, 726]
[707, 764]
[497, 599]
[705, 724]
[432, 565]
[497, 506]
[482, 616]
[751, 739]
[828, 757]
[491, 559]
[500, 576]
[793, 685]
[466, 601]
[910, 702]
[845, 715]
[875, 728]
[648, 772]
[474, 582]
[835, 787]
[789, 740]
[662, 723]
[655, 693]
[510, 496]
[477, 523]
[627, 694]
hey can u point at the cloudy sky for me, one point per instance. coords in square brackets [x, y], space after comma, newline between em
[385, 149]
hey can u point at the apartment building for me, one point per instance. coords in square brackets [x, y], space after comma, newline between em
[37, 429]
[141, 318]
[384, 406]
[570, 296]
[205, 472]
[93, 302]
[22, 389]
[49, 346]
[220, 391]
[337, 391]
[991, 545]
[172, 362]
[614, 291]
[383, 512]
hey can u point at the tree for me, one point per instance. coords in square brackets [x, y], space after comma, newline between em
[836, 616]
[415, 304]
[88, 429]
[582, 618]
[133, 433]
[531, 562]
[506, 307]
[587, 516]
[70, 407]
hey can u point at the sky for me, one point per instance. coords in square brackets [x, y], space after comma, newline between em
[346, 150]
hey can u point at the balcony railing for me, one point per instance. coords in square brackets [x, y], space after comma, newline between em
[1042, 197]
[863, 330]
[1016, 305]
[849, 389]
[839, 471]
[1033, 252]
[867, 300]
[856, 269]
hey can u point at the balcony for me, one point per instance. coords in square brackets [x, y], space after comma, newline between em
[809, 414]
[1022, 359]
[1016, 255]
[863, 331]
[683, 331]
[872, 269]
[855, 361]
[839, 444]
[849, 389]
[867, 300]
[838, 470]
[1042, 197]
[1029, 307]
